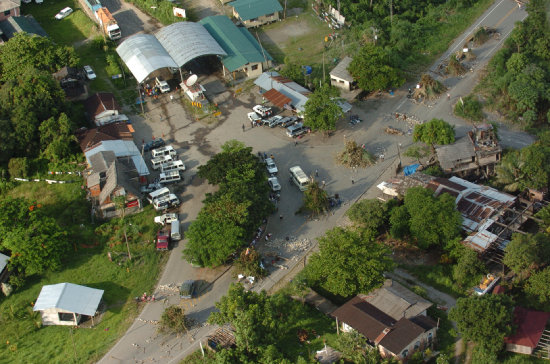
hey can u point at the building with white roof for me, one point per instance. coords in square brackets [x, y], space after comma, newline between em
[66, 303]
[121, 149]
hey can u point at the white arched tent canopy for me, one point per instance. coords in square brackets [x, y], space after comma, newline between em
[171, 47]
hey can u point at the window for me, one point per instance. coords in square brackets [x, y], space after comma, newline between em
[254, 67]
[65, 316]
[405, 353]
[341, 81]
[7, 12]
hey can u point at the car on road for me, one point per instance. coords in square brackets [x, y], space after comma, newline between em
[274, 184]
[159, 142]
[252, 116]
[163, 239]
[271, 166]
[354, 119]
[90, 74]
[166, 218]
[187, 289]
[65, 12]
[263, 111]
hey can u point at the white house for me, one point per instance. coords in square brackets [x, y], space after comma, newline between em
[66, 303]
[340, 76]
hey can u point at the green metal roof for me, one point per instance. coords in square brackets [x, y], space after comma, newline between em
[241, 46]
[251, 9]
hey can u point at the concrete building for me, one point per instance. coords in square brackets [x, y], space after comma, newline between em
[340, 77]
[255, 13]
[67, 303]
[245, 56]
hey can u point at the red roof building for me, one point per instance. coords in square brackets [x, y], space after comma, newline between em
[530, 326]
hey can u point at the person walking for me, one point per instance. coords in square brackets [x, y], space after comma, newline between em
[316, 173]
[243, 128]
[295, 142]
[448, 96]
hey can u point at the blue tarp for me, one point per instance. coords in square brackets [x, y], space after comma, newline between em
[408, 170]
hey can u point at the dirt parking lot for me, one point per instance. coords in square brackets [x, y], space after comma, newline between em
[130, 19]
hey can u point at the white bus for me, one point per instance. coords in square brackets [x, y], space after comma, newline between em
[159, 161]
[166, 150]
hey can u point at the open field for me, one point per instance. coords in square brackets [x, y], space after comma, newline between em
[22, 339]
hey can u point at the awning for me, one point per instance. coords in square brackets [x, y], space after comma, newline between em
[277, 98]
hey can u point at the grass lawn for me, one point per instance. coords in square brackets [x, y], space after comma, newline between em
[439, 276]
[76, 27]
[22, 340]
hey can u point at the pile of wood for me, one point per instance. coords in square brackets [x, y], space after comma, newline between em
[355, 156]
[393, 131]
[429, 88]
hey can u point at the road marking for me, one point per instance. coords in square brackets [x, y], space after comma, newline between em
[474, 28]
[505, 16]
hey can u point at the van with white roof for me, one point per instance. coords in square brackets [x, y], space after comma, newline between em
[299, 178]
[166, 202]
[160, 160]
[161, 192]
[173, 166]
[166, 150]
[169, 177]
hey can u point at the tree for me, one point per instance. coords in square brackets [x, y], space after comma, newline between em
[248, 264]
[56, 138]
[526, 252]
[436, 131]
[36, 242]
[315, 199]
[526, 168]
[399, 222]
[467, 267]
[24, 52]
[348, 263]
[369, 214]
[372, 70]
[485, 320]
[322, 110]
[538, 287]
[174, 321]
[433, 220]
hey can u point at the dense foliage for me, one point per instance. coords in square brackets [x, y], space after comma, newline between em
[33, 113]
[518, 78]
[322, 110]
[369, 214]
[315, 199]
[266, 327]
[528, 167]
[231, 214]
[35, 241]
[348, 263]
[526, 252]
[436, 131]
[371, 70]
[485, 320]
[174, 321]
[429, 220]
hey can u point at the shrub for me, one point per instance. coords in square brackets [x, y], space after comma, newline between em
[19, 167]
[469, 108]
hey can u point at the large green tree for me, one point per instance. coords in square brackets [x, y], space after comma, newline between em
[526, 252]
[369, 214]
[468, 267]
[538, 288]
[315, 199]
[525, 168]
[485, 320]
[348, 263]
[432, 220]
[322, 110]
[372, 70]
[35, 241]
[436, 131]
[232, 213]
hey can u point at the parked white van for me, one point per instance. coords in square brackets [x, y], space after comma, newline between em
[296, 129]
[166, 150]
[166, 202]
[170, 177]
[299, 178]
[159, 161]
[160, 193]
[175, 231]
[173, 166]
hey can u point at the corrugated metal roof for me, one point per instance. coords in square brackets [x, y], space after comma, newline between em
[289, 88]
[251, 9]
[70, 298]
[276, 98]
[144, 54]
[4, 259]
[341, 70]
[238, 43]
[121, 148]
[185, 41]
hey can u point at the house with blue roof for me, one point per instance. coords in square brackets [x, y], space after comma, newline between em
[255, 13]
[245, 56]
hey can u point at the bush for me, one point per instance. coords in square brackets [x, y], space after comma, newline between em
[370, 214]
[469, 108]
[174, 321]
[19, 167]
